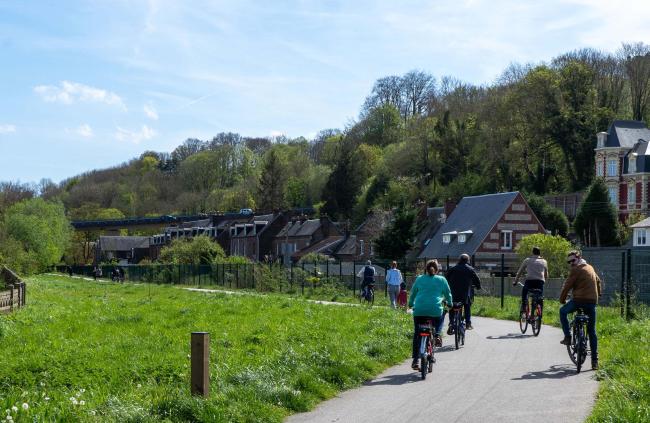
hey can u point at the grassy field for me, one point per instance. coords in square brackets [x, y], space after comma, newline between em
[86, 351]
[624, 350]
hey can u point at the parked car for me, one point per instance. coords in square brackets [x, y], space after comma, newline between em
[246, 212]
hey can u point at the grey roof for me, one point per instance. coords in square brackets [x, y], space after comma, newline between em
[349, 246]
[477, 214]
[300, 228]
[203, 223]
[645, 223]
[626, 133]
[123, 243]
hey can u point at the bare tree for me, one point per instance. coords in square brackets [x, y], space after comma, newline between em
[636, 58]
[417, 88]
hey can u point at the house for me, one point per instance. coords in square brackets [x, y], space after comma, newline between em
[484, 226]
[124, 249]
[620, 158]
[428, 222]
[301, 234]
[254, 239]
[358, 245]
[641, 233]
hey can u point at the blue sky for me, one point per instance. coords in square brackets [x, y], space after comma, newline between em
[91, 84]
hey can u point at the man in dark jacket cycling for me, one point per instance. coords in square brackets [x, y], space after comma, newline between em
[462, 279]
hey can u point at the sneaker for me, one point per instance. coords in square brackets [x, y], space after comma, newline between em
[450, 331]
[566, 340]
[437, 341]
[469, 327]
[415, 365]
[594, 364]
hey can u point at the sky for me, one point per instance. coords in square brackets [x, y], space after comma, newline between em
[91, 84]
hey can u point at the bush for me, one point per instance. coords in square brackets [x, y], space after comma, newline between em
[554, 250]
[196, 250]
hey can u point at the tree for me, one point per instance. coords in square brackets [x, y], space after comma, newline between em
[195, 250]
[636, 57]
[554, 249]
[34, 230]
[272, 182]
[397, 238]
[596, 223]
[343, 185]
[552, 219]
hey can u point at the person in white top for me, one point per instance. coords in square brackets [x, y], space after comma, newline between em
[393, 279]
[536, 270]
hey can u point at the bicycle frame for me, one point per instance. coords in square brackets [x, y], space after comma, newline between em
[579, 346]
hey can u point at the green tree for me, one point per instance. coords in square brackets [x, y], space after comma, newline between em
[34, 234]
[195, 250]
[272, 182]
[552, 219]
[596, 223]
[554, 249]
[397, 238]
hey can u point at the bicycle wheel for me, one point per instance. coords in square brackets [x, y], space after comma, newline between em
[581, 354]
[456, 332]
[371, 299]
[462, 333]
[571, 348]
[537, 319]
[523, 320]
[424, 366]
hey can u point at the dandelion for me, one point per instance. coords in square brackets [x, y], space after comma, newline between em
[82, 390]
[82, 402]
[139, 386]
[73, 400]
[25, 406]
[42, 383]
[93, 412]
[47, 398]
[14, 409]
[10, 419]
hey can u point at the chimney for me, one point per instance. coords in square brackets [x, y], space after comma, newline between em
[325, 225]
[450, 205]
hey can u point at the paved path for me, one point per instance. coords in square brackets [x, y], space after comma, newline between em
[499, 376]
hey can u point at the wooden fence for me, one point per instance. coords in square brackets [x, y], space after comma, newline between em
[12, 291]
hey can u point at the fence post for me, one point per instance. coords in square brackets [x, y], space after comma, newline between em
[354, 279]
[628, 311]
[503, 275]
[11, 297]
[200, 357]
[622, 294]
[447, 268]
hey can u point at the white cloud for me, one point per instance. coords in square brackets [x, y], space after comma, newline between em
[150, 112]
[72, 92]
[7, 128]
[144, 134]
[85, 131]
[277, 133]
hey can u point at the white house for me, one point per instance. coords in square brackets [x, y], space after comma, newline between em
[641, 236]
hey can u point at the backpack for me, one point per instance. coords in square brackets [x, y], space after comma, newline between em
[368, 274]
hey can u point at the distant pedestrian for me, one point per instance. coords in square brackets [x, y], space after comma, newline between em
[95, 272]
[402, 297]
[393, 280]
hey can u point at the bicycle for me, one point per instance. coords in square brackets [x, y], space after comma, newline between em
[534, 317]
[427, 349]
[367, 297]
[458, 324]
[578, 347]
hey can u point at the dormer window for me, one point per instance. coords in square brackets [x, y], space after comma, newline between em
[631, 163]
[446, 239]
[462, 238]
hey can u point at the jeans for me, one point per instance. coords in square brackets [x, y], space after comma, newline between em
[590, 311]
[417, 320]
[467, 310]
[393, 290]
[530, 284]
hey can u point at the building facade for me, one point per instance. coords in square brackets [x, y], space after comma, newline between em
[622, 159]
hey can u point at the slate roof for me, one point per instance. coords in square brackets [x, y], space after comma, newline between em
[477, 214]
[349, 246]
[300, 228]
[123, 243]
[626, 133]
[203, 223]
[325, 246]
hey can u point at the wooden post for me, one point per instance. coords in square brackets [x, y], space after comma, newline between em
[622, 297]
[502, 278]
[200, 357]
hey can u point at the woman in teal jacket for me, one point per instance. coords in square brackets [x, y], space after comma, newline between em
[428, 294]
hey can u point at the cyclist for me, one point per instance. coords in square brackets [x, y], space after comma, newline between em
[586, 289]
[428, 294]
[462, 278]
[393, 279]
[368, 274]
[536, 270]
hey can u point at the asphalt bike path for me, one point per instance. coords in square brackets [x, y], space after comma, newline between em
[500, 376]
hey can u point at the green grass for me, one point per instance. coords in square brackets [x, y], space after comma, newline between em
[86, 351]
[624, 350]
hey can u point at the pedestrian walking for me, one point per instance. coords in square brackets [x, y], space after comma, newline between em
[393, 279]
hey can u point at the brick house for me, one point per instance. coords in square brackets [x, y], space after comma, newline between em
[301, 233]
[254, 239]
[358, 245]
[485, 226]
[620, 158]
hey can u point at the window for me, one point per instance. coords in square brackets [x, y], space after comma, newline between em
[640, 237]
[613, 197]
[506, 240]
[462, 238]
[612, 167]
[361, 247]
[631, 193]
[446, 239]
[599, 168]
[631, 163]
[372, 253]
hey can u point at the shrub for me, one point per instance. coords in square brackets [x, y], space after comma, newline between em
[554, 250]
